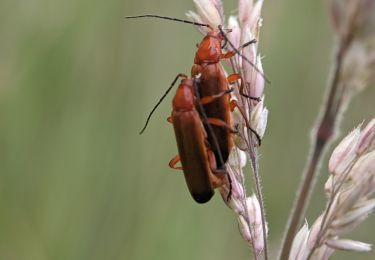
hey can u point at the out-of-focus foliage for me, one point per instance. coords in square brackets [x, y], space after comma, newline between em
[76, 84]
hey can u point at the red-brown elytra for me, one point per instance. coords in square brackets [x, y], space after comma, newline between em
[195, 153]
[212, 82]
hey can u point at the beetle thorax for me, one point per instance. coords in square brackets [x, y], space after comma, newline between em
[209, 50]
[184, 98]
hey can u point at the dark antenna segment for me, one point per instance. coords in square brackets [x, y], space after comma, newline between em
[205, 25]
[161, 100]
[167, 18]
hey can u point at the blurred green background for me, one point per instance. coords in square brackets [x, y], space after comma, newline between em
[76, 84]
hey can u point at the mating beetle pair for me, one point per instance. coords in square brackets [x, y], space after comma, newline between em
[201, 116]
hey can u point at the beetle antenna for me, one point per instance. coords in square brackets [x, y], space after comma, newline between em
[166, 18]
[242, 56]
[161, 100]
[242, 46]
[257, 136]
[247, 43]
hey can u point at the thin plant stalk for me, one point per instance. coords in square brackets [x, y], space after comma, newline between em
[324, 220]
[247, 217]
[252, 151]
[322, 137]
[255, 166]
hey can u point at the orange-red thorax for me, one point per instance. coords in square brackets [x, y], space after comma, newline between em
[184, 99]
[209, 50]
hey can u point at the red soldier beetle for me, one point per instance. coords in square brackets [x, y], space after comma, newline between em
[213, 81]
[195, 153]
[216, 113]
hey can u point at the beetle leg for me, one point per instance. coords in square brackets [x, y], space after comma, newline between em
[242, 93]
[217, 178]
[170, 119]
[227, 55]
[232, 78]
[224, 44]
[230, 187]
[247, 44]
[234, 104]
[209, 99]
[174, 161]
[221, 123]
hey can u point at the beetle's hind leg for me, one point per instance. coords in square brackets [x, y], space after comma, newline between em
[174, 161]
[217, 179]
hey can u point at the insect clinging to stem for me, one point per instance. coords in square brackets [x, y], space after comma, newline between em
[195, 153]
[213, 81]
[203, 127]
